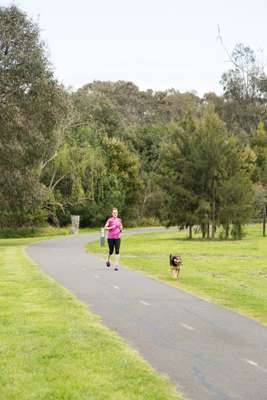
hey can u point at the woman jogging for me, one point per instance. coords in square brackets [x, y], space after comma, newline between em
[114, 228]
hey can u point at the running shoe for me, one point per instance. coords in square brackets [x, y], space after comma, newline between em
[108, 264]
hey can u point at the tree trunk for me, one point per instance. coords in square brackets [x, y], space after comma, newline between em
[227, 231]
[208, 230]
[213, 226]
[190, 232]
[203, 230]
[239, 231]
[264, 221]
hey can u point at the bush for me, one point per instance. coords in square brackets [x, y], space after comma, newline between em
[237, 232]
[148, 221]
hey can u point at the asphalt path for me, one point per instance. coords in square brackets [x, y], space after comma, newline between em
[209, 352]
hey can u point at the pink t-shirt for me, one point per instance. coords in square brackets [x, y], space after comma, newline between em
[115, 232]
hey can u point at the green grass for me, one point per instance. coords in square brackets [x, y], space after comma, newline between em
[26, 232]
[53, 348]
[42, 231]
[230, 273]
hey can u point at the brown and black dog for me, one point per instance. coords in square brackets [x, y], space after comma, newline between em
[175, 265]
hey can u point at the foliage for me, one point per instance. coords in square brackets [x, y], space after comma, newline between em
[31, 105]
[158, 155]
[245, 96]
[208, 176]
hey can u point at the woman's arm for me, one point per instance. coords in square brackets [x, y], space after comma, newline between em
[107, 226]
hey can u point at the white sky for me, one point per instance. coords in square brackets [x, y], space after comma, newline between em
[157, 44]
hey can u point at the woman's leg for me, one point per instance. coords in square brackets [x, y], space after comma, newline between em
[111, 249]
[117, 252]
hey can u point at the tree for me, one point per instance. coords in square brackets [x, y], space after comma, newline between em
[31, 107]
[209, 156]
[236, 194]
[205, 174]
[75, 182]
[261, 205]
[146, 141]
[222, 171]
[259, 146]
[96, 109]
[176, 178]
[244, 92]
[122, 183]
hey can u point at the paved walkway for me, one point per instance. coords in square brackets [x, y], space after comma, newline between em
[209, 352]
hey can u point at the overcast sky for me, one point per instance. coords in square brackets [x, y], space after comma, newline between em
[157, 44]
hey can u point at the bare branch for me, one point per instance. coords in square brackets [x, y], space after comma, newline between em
[44, 164]
[230, 59]
[59, 180]
[52, 179]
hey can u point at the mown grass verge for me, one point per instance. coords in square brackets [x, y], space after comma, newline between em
[230, 273]
[41, 231]
[53, 348]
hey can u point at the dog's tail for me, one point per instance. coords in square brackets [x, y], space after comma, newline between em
[170, 259]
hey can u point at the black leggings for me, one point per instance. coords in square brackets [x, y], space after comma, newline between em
[114, 243]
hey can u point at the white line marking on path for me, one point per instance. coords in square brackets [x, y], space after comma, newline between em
[116, 287]
[252, 363]
[256, 365]
[144, 302]
[96, 276]
[188, 327]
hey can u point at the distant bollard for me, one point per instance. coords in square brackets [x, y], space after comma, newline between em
[75, 223]
[102, 237]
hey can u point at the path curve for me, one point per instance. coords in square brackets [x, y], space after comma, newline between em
[210, 353]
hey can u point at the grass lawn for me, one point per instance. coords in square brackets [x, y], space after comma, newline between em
[53, 348]
[44, 231]
[230, 273]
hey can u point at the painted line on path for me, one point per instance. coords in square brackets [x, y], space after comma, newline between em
[190, 328]
[116, 287]
[144, 303]
[256, 365]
